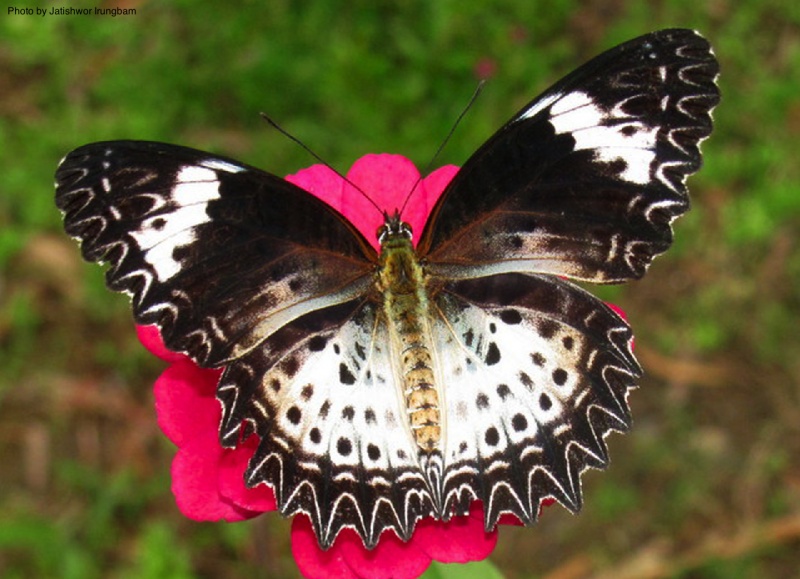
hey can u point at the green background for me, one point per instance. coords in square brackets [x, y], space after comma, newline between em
[708, 482]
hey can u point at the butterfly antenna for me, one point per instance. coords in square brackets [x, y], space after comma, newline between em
[308, 150]
[446, 140]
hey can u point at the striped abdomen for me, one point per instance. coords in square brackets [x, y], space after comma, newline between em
[405, 306]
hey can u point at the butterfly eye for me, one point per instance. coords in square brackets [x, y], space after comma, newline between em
[381, 233]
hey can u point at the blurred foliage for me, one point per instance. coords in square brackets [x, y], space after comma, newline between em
[707, 485]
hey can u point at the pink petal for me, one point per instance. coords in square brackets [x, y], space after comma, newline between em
[391, 557]
[460, 540]
[512, 520]
[348, 558]
[323, 183]
[150, 338]
[618, 310]
[195, 477]
[231, 479]
[509, 519]
[425, 197]
[387, 180]
[313, 562]
[546, 503]
[185, 402]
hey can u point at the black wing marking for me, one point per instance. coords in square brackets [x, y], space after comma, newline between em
[586, 180]
[218, 254]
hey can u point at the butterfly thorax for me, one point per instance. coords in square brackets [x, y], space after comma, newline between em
[401, 282]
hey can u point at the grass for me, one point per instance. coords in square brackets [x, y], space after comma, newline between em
[714, 452]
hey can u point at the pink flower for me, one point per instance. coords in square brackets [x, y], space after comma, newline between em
[207, 479]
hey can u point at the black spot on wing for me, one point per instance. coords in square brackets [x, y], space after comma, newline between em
[510, 317]
[503, 391]
[560, 376]
[344, 446]
[317, 343]
[307, 392]
[373, 452]
[469, 336]
[492, 355]
[290, 365]
[547, 328]
[324, 409]
[360, 352]
[294, 415]
[345, 375]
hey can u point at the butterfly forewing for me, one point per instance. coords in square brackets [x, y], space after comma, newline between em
[326, 348]
[585, 180]
[218, 254]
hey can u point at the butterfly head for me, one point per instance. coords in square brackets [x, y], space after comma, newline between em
[393, 229]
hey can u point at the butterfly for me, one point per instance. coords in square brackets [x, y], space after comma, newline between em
[388, 386]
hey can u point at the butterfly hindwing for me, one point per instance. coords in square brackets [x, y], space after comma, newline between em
[585, 180]
[217, 254]
[322, 396]
[538, 373]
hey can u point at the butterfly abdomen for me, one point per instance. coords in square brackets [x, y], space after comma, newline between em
[401, 282]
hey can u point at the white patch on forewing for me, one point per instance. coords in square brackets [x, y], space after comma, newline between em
[161, 235]
[602, 132]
